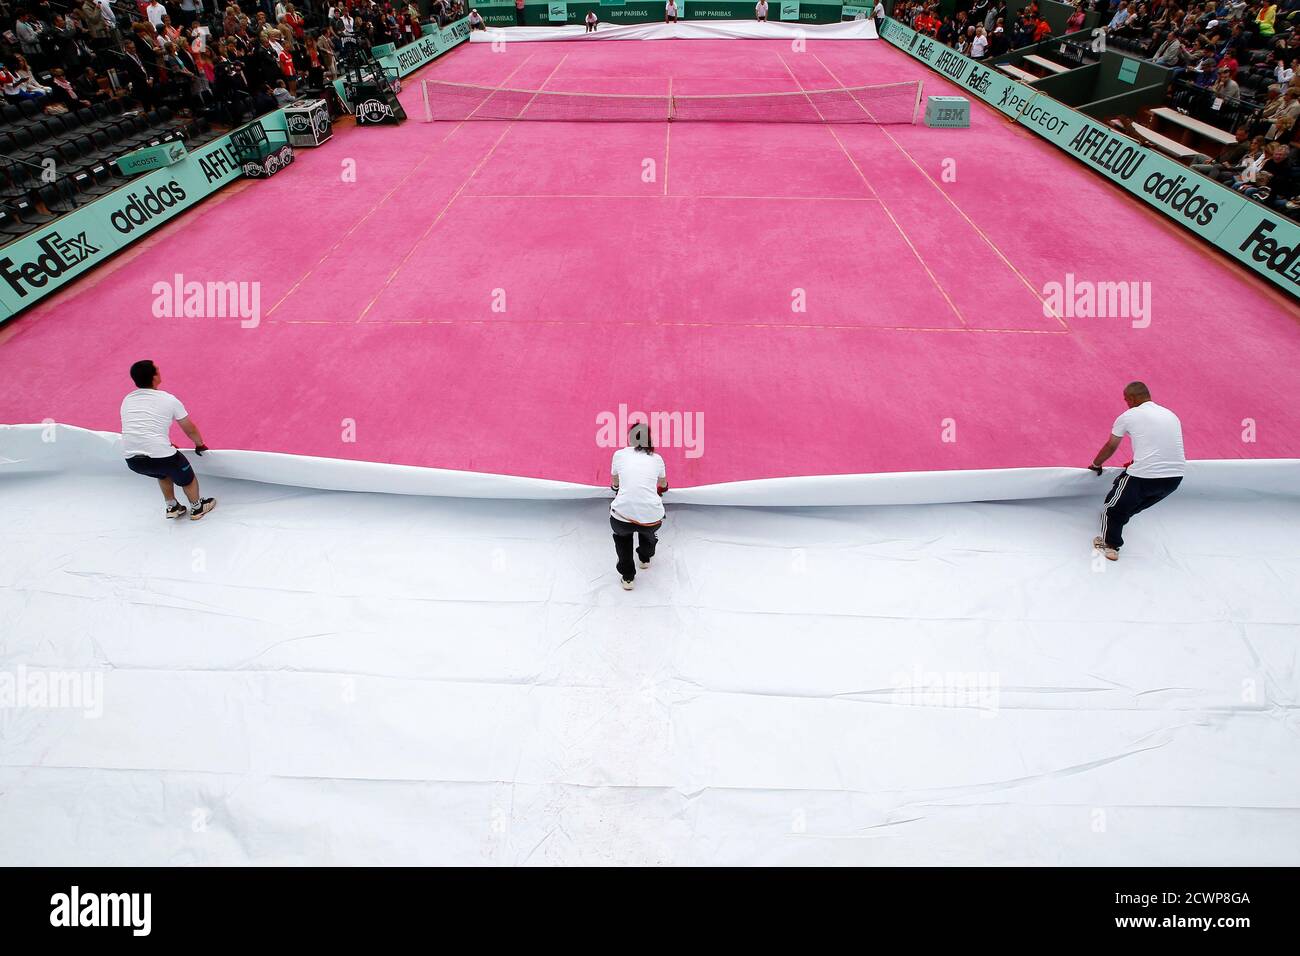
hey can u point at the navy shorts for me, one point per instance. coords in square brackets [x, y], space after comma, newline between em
[176, 467]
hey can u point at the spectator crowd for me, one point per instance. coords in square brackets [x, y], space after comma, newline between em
[198, 57]
[1233, 60]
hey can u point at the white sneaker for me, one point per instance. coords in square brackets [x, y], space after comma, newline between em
[644, 564]
[627, 585]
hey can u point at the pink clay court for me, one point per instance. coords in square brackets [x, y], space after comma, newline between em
[924, 297]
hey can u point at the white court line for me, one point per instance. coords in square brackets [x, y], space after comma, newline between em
[883, 205]
[1047, 309]
[459, 189]
[357, 225]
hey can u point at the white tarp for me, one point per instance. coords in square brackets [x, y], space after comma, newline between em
[53, 447]
[683, 30]
[316, 677]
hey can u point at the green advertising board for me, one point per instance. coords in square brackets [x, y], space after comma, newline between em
[1253, 234]
[557, 12]
[46, 259]
[652, 11]
[853, 13]
[151, 157]
[407, 59]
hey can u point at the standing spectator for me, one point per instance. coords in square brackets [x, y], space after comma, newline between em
[29, 31]
[97, 27]
[1266, 18]
[980, 44]
[155, 12]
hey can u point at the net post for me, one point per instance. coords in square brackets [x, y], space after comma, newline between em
[428, 110]
[916, 110]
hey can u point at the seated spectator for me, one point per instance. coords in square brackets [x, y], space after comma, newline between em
[282, 95]
[89, 87]
[1225, 86]
[1247, 170]
[1076, 19]
[1223, 168]
[29, 88]
[63, 93]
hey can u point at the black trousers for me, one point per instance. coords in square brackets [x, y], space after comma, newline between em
[519, 17]
[646, 544]
[1127, 497]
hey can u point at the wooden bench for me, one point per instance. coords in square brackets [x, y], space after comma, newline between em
[1212, 133]
[1170, 147]
[1017, 73]
[1046, 64]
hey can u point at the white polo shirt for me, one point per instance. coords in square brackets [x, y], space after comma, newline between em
[638, 498]
[147, 416]
[1157, 436]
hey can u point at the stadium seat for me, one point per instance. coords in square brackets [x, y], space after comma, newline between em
[18, 182]
[26, 210]
[57, 198]
[11, 227]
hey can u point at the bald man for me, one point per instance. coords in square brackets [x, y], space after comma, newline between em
[1154, 474]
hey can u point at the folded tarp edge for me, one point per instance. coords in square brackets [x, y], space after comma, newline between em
[50, 447]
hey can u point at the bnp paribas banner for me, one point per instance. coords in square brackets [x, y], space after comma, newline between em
[1267, 242]
[46, 259]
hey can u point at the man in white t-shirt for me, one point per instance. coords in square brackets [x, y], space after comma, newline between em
[147, 416]
[760, 11]
[1155, 472]
[670, 12]
[639, 480]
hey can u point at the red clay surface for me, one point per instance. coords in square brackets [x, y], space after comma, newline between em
[923, 295]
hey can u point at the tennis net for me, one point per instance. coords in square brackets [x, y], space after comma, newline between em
[888, 103]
